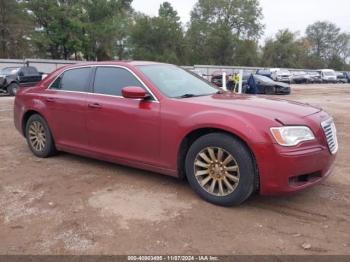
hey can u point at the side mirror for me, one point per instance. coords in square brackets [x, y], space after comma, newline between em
[134, 92]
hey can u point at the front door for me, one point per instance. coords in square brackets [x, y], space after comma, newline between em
[120, 127]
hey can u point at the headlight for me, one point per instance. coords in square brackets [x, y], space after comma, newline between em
[292, 135]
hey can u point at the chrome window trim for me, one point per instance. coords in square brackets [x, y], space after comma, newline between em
[156, 100]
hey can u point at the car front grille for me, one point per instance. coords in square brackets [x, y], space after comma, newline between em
[330, 132]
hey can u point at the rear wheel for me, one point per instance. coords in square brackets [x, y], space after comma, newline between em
[39, 137]
[12, 89]
[220, 169]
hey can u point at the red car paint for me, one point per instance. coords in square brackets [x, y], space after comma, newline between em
[149, 134]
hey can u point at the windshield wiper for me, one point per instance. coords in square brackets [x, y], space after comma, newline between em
[187, 96]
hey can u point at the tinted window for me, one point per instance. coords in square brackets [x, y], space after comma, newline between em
[111, 80]
[73, 80]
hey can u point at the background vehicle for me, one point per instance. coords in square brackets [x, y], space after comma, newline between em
[341, 77]
[328, 76]
[315, 77]
[347, 74]
[266, 85]
[216, 78]
[300, 77]
[11, 78]
[264, 72]
[282, 75]
[228, 146]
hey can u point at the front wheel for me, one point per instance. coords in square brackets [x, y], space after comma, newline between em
[12, 89]
[39, 137]
[220, 169]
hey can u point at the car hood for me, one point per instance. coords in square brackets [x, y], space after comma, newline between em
[285, 111]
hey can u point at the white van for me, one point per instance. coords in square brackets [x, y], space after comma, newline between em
[328, 76]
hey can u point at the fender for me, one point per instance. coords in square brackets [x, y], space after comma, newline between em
[231, 123]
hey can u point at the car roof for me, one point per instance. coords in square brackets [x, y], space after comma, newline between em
[120, 63]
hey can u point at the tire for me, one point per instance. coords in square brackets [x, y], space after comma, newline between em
[39, 137]
[270, 90]
[242, 158]
[12, 89]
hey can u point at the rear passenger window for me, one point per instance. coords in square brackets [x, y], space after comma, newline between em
[111, 80]
[73, 80]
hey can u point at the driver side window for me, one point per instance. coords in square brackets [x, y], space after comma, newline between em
[111, 80]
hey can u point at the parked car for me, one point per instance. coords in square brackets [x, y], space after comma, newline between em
[11, 78]
[162, 118]
[282, 75]
[347, 74]
[266, 86]
[300, 77]
[328, 76]
[264, 72]
[341, 77]
[315, 77]
[217, 76]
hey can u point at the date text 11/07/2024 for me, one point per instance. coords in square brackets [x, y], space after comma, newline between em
[173, 258]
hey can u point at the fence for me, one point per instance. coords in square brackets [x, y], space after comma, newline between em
[47, 66]
[43, 65]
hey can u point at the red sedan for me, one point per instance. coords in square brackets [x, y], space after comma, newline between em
[162, 118]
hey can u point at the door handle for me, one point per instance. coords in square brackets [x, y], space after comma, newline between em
[50, 100]
[95, 106]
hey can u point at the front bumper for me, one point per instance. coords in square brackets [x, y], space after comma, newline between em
[287, 171]
[291, 169]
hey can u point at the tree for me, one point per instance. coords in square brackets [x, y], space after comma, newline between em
[217, 29]
[15, 28]
[328, 43]
[88, 28]
[105, 26]
[58, 33]
[282, 51]
[158, 38]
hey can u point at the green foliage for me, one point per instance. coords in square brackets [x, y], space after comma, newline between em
[283, 51]
[323, 47]
[329, 44]
[15, 28]
[105, 24]
[88, 28]
[158, 38]
[219, 30]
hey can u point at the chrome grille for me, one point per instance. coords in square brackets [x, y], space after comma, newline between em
[330, 132]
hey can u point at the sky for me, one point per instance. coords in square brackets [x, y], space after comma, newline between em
[278, 14]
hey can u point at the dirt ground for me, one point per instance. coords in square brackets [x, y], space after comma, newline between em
[73, 205]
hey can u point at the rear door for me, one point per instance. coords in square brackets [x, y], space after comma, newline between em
[66, 100]
[120, 127]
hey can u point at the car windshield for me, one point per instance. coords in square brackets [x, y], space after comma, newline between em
[283, 72]
[264, 72]
[9, 70]
[176, 82]
[328, 73]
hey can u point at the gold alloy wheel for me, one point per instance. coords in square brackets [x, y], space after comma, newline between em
[216, 171]
[37, 136]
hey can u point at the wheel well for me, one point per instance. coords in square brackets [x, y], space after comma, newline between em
[25, 118]
[193, 136]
